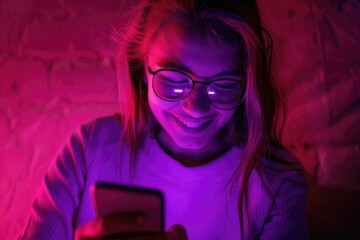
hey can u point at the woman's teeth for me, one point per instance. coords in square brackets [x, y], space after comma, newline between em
[192, 124]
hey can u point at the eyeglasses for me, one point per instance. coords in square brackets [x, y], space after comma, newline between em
[172, 85]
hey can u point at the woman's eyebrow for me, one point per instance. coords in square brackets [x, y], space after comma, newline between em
[183, 68]
[234, 73]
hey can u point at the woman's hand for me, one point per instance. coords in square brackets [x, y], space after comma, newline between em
[126, 226]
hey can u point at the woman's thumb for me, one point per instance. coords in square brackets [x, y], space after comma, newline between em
[176, 232]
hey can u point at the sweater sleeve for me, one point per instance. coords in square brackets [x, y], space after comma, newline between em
[53, 213]
[288, 215]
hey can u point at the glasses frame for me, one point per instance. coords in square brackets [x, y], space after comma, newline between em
[153, 73]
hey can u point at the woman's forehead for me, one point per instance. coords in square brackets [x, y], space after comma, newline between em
[197, 32]
[191, 47]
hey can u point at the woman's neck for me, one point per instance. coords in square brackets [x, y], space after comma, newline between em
[192, 157]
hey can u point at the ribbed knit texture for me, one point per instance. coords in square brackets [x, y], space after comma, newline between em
[195, 197]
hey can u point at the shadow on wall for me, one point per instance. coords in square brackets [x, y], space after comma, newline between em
[334, 213]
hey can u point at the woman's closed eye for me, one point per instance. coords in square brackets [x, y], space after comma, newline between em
[226, 85]
[174, 81]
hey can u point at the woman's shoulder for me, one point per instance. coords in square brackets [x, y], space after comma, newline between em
[282, 166]
[102, 131]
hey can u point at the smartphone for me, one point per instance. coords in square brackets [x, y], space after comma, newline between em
[111, 199]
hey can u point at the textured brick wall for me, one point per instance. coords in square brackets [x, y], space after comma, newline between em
[57, 71]
[320, 53]
[318, 49]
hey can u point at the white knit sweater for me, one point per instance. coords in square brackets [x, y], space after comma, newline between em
[195, 197]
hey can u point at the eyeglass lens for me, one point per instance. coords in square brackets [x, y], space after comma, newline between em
[172, 85]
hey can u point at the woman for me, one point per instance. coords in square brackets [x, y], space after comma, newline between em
[199, 120]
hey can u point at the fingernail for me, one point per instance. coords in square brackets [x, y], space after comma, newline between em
[171, 235]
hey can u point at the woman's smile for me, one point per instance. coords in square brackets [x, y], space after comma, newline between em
[191, 126]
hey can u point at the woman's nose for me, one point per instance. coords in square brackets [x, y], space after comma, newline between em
[197, 104]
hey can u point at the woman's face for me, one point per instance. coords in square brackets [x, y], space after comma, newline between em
[190, 127]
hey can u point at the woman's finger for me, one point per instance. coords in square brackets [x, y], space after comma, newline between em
[176, 232]
[109, 225]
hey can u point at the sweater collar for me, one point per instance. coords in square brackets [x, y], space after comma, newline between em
[153, 157]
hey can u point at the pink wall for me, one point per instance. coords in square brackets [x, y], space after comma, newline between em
[57, 71]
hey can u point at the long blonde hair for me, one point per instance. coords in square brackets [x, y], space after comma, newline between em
[255, 125]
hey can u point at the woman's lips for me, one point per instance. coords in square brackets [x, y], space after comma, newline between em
[192, 125]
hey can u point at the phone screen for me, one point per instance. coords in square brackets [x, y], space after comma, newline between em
[111, 199]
